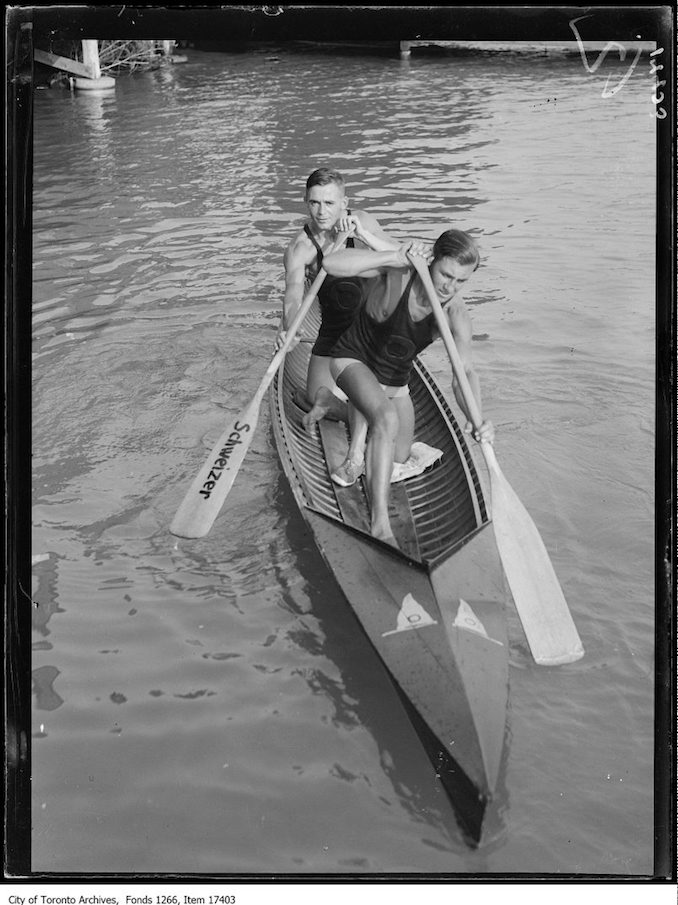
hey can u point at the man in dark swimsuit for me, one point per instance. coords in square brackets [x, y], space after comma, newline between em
[372, 360]
[339, 298]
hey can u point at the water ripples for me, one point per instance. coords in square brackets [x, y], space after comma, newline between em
[217, 690]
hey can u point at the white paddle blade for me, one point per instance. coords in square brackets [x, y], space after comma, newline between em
[539, 600]
[541, 605]
[205, 497]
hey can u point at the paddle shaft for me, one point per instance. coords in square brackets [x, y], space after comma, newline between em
[205, 497]
[538, 597]
[472, 407]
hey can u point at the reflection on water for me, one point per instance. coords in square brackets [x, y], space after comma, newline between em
[363, 695]
[219, 691]
[46, 697]
[45, 597]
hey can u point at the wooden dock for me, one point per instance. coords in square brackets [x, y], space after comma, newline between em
[111, 56]
[538, 48]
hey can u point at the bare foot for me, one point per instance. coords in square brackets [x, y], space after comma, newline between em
[384, 533]
[321, 406]
[301, 399]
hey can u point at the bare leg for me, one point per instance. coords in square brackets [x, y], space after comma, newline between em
[319, 390]
[324, 402]
[302, 400]
[358, 426]
[353, 466]
[405, 410]
[363, 390]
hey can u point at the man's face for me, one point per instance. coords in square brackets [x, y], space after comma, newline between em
[326, 205]
[448, 277]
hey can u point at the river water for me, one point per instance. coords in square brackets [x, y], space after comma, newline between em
[210, 706]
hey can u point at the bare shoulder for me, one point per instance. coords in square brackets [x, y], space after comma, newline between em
[384, 289]
[299, 251]
[459, 318]
[299, 241]
[369, 221]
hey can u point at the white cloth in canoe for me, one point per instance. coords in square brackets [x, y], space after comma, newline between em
[421, 457]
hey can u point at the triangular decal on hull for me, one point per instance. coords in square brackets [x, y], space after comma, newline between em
[412, 615]
[466, 619]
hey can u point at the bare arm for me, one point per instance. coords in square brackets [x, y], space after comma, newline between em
[364, 262]
[295, 280]
[368, 231]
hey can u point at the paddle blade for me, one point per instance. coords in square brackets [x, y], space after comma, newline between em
[539, 599]
[211, 485]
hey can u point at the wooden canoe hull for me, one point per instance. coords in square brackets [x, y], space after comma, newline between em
[434, 611]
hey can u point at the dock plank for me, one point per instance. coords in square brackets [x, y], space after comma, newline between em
[63, 63]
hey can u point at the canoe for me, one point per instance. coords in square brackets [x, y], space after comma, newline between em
[434, 610]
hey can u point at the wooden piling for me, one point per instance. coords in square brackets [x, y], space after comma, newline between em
[90, 57]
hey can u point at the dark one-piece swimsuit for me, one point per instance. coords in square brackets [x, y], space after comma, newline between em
[339, 298]
[388, 347]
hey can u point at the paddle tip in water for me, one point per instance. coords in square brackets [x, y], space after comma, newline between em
[187, 528]
[561, 659]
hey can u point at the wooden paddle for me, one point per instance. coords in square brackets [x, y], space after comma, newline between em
[538, 597]
[205, 497]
